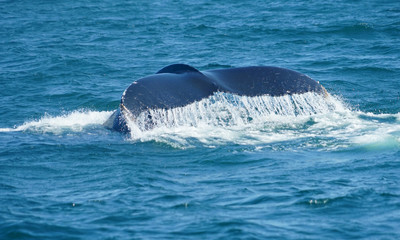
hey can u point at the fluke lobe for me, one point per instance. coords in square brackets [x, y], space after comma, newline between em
[178, 85]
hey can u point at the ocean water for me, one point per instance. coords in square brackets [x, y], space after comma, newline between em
[227, 167]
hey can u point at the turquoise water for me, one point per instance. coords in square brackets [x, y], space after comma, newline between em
[331, 171]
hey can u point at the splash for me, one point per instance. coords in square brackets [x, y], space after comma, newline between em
[305, 120]
[74, 121]
[224, 109]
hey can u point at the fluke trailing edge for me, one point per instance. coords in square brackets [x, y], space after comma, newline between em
[179, 85]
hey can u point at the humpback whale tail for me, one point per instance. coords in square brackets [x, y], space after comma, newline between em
[179, 85]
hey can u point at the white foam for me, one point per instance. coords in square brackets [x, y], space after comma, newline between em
[376, 131]
[74, 121]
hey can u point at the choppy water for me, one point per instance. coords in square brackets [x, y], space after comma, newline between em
[300, 167]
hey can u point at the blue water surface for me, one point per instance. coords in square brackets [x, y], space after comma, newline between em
[65, 64]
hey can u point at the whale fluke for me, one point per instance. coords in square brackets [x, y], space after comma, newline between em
[178, 85]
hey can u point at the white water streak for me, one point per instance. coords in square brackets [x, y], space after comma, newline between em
[74, 121]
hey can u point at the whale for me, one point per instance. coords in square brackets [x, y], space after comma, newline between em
[179, 85]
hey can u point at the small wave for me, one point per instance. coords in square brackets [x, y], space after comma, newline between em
[353, 29]
[74, 121]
